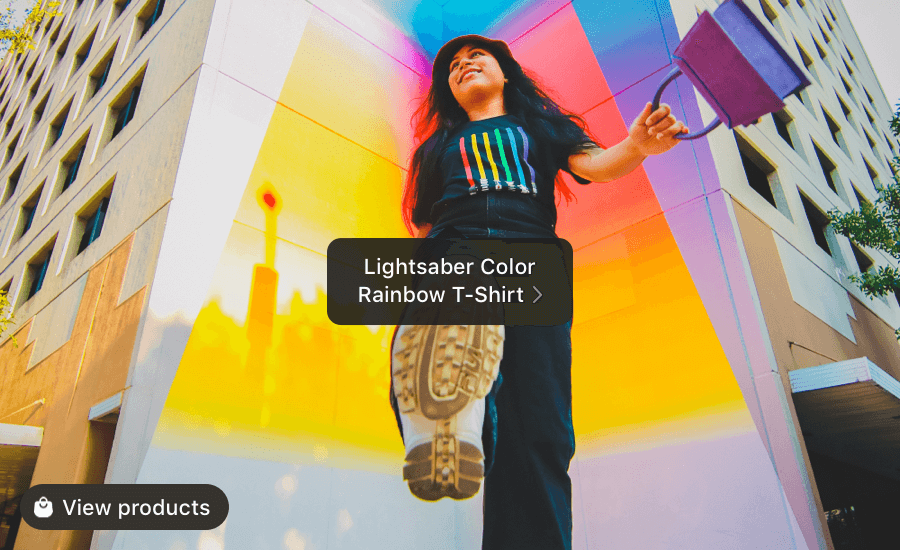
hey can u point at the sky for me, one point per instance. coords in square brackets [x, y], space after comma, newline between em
[876, 23]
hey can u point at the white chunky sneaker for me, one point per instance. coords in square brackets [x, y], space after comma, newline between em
[441, 375]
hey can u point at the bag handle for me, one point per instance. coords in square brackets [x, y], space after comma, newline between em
[676, 72]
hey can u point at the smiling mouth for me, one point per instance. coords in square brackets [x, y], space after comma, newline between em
[472, 71]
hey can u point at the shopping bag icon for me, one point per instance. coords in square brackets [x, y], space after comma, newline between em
[43, 508]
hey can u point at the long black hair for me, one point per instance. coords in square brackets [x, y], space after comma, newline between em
[439, 115]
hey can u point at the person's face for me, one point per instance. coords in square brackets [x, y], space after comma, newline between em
[474, 73]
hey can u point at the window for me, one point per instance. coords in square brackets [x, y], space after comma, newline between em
[13, 182]
[37, 270]
[782, 119]
[39, 112]
[847, 66]
[58, 124]
[846, 110]
[828, 168]
[11, 149]
[85, 50]
[808, 63]
[123, 108]
[862, 259]
[869, 116]
[5, 292]
[9, 125]
[873, 175]
[30, 70]
[807, 60]
[818, 222]
[847, 87]
[101, 72]
[784, 3]
[151, 15]
[55, 36]
[33, 91]
[864, 203]
[29, 208]
[870, 140]
[91, 222]
[835, 131]
[61, 51]
[759, 171]
[824, 34]
[770, 13]
[119, 7]
[869, 96]
[70, 165]
[819, 50]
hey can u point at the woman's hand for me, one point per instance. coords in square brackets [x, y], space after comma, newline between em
[654, 132]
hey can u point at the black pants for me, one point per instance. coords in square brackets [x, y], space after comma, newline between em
[528, 436]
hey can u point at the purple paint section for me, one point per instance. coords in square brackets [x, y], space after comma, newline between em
[626, 37]
[674, 175]
[628, 505]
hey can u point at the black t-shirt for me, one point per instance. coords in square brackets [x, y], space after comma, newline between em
[498, 155]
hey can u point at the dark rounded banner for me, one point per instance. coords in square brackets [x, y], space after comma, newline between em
[450, 280]
[124, 507]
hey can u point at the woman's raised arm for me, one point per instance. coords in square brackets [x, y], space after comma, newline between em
[650, 134]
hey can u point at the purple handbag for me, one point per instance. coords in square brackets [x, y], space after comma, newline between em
[736, 65]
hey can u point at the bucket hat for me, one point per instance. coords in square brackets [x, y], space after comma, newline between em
[441, 67]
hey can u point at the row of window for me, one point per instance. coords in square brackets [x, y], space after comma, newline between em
[121, 112]
[98, 75]
[763, 179]
[87, 228]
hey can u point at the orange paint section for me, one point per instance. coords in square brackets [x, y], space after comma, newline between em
[318, 392]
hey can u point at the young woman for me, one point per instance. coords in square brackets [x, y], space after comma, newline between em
[494, 401]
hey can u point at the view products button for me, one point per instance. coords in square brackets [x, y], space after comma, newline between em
[124, 507]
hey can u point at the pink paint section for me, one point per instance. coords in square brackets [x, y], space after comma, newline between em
[568, 69]
[788, 456]
[516, 25]
[628, 504]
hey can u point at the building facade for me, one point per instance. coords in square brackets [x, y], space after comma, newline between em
[731, 387]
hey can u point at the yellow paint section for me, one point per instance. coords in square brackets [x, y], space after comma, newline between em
[330, 187]
[654, 360]
[357, 90]
[318, 386]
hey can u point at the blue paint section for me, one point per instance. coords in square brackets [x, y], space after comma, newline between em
[626, 37]
[431, 23]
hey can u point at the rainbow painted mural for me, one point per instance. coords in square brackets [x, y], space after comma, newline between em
[288, 413]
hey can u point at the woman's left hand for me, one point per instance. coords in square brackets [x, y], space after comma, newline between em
[654, 132]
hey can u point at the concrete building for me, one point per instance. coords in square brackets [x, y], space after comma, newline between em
[139, 136]
[832, 346]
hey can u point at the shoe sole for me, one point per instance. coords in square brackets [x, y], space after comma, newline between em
[444, 467]
[461, 362]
